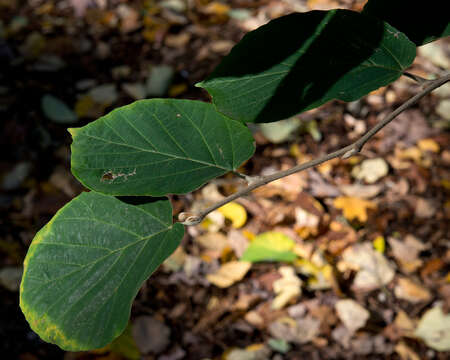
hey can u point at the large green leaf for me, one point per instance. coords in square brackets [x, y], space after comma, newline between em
[302, 60]
[158, 146]
[84, 268]
[422, 22]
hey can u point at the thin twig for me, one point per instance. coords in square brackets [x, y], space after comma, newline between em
[345, 152]
[420, 80]
[238, 174]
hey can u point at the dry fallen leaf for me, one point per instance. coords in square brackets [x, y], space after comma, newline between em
[252, 352]
[354, 208]
[229, 273]
[238, 242]
[306, 223]
[406, 252]
[287, 288]
[150, 334]
[410, 291]
[352, 314]
[371, 170]
[374, 270]
[428, 145]
[361, 191]
[338, 237]
[405, 352]
[404, 324]
[213, 241]
[298, 331]
[434, 329]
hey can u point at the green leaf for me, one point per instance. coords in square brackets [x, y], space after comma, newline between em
[300, 61]
[158, 146]
[421, 22]
[56, 110]
[84, 268]
[270, 246]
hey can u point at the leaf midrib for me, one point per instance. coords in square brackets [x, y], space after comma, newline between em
[157, 152]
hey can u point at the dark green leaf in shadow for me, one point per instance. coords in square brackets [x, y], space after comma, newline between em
[158, 146]
[84, 268]
[302, 60]
[421, 21]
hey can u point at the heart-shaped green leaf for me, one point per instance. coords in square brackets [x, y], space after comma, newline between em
[158, 146]
[421, 22]
[84, 268]
[300, 61]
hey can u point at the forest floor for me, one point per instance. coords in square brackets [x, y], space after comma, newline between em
[369, 235]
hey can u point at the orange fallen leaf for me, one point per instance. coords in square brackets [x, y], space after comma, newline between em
[428, 145]
[354, 208]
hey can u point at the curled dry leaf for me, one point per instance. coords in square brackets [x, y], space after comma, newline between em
[287, 288]
[434, 329]
[352, 314]
[371, 170]
[354, 208]
[229, 273]
[410, 291]
[374, 270]
[234, 212]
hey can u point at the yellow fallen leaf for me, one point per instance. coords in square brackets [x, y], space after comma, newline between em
[234, 212]
[354, 208]
[287, 288]
[415, 154]
[428, 145]
[229, 273]
[379, 244]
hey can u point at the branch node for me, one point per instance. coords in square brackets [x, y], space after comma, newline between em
[350, 153]
[252, 179]
[186, 218]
